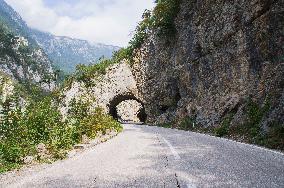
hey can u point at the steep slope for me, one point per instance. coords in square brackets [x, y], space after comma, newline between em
[20, 56]
[67, 52]
[14, 22]
[222, 67]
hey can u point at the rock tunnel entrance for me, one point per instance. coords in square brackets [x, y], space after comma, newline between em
[116, 101]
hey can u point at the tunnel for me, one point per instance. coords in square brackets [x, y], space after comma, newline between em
[124, 97]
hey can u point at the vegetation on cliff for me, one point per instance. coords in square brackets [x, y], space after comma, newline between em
[87, 74]
[161, 20]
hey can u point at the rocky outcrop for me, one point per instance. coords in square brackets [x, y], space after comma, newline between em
[223, 53]
[9, 89]
[40, 72]
[115, 86]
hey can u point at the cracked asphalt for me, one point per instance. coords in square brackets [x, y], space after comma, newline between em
[143, 156]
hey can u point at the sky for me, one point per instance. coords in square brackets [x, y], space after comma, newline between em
[101, 21]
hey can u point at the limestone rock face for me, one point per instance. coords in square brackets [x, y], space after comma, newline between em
[223, 53]
[117, 85]
[42, 151]
[118, 81]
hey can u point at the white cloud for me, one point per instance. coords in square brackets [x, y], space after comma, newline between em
[105, 21]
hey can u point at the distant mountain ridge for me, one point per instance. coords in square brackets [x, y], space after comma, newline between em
[64, 52]
[67, 52]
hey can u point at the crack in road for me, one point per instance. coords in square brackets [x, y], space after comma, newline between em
[176, 177]
[176, 156]
[165, 158]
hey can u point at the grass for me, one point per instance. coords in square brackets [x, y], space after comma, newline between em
[165, 125]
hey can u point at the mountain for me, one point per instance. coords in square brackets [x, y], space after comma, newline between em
[12, 20]
[20, 56]
[67, 52]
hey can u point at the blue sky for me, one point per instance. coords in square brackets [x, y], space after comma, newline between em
[103, 21]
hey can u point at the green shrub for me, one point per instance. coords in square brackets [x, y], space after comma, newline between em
[11, 151]
[164, 15]
[61, 138]
[5, 166]
[187, 123]
[41, 122]
[165, 125]
[275, 137]
[223, 129]
[255, 114]
[87, 74]
[40, 118]
[98, 121]
[79, 109]
[160, 19]
[89, 122]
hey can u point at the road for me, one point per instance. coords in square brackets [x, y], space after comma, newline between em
[143, 156]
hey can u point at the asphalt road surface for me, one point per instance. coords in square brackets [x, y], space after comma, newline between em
[143, 156]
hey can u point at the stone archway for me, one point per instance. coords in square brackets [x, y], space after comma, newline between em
[124, 97]
[117, 85]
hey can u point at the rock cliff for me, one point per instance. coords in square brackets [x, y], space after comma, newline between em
[223, 54]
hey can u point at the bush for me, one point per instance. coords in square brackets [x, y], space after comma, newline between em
[255, 114]
[223, 129]
[21, 130]
[98, 121]
[165, 125]
[187, 123]
[11, 152]
[87, 74]
[61, 138]
[164, 15]
[275, 137]
[40, 119]
[161, 19]
[90, 121]
[41, 122]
